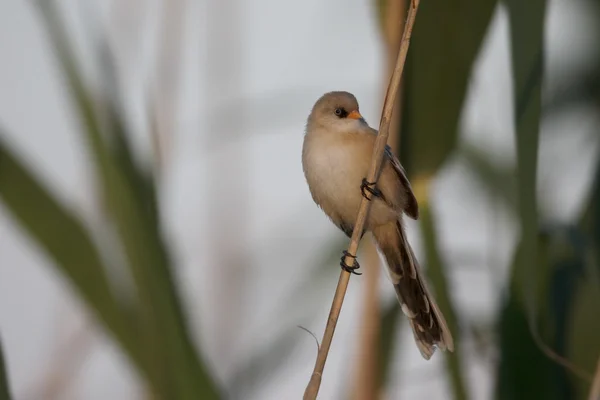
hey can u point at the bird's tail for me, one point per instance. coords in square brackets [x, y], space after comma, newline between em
[426, 319]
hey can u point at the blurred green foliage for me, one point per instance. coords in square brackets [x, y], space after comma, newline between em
[519, 317]
[446, 41]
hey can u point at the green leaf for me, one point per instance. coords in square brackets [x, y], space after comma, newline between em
[4, 387]
[526, 30]
[583, 327]
[498, 181]
[446, 40]
[439, 281]
[390, 325]
[65, 240]
[531, 277]
[524, 372]
[141, 180]
[583, 324]
[561, 261]
[590, 221]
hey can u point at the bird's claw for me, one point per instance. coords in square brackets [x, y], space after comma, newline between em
[369, 187]
[351, 269]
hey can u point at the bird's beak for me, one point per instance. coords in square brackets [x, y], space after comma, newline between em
[355, 115]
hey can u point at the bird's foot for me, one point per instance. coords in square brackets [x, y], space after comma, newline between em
[369, 187]
[352, 269]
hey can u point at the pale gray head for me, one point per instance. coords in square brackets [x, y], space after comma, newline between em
[336, 111]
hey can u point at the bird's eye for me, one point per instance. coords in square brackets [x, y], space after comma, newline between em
[339, 112]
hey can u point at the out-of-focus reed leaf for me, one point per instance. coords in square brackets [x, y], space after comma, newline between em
[560, 267]
[445, 43]
[527, 29]
[137, 177]
[436, 273]
[583, 347]
[519, 318]
[526, 32]
[584, 89]
[176, 371]
[566, 323]
[4, 387]
[524, 371]
[584, 325]
[590, 222]
[567, 254]
[578, 87]
[549, 288]
[498, 181]
[65, 240]
[390, 325]
[446, 40]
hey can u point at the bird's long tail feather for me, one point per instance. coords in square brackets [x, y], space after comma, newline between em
[426, 319]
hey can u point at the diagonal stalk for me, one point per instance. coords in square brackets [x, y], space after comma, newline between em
[388, 107]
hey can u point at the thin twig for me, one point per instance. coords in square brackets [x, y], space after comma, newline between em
[366, 382]
[553, 355]
[311, 334]
[595, 390]
[388, 106]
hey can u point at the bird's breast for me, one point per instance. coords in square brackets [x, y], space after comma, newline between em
[334, 170]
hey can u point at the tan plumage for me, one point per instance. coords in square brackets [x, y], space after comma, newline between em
[336, 156]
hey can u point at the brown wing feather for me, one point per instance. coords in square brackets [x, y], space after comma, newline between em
[411, 208]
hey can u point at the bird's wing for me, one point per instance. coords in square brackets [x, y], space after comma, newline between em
[411, 208]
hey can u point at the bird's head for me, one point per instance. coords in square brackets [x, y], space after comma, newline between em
[336, 112]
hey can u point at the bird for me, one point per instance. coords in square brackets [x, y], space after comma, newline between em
[336, 157]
